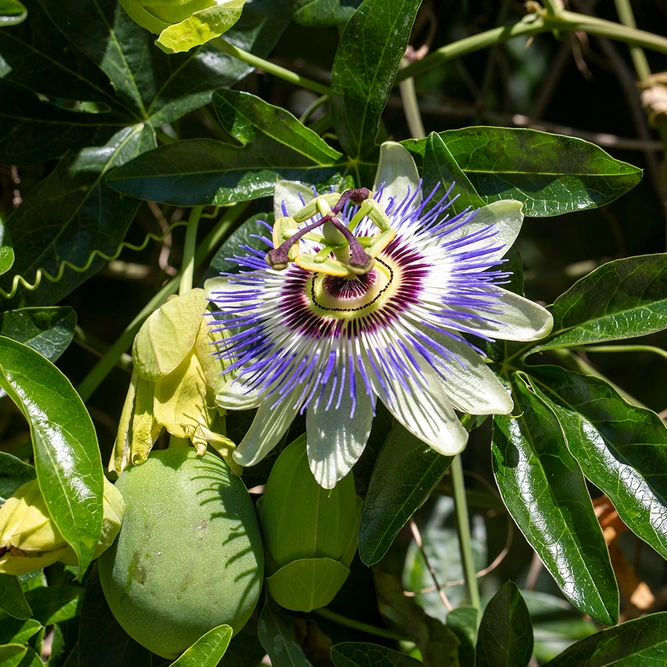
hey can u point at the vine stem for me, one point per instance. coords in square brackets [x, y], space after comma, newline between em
[359, 625]
[110, 358]
[463, 528]
[189, 247]
[268, 66]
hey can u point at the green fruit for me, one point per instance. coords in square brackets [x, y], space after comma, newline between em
[189, 555]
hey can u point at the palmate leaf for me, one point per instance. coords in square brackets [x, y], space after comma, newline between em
[67, 457]
[545, 492]
[370, 51]
[203, 171]
[550, 173]
[71, 214]
[621, 299]
[621, 448]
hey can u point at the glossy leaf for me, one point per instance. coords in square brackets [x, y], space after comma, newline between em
[621, 448]
[203, 171]
[13, 473]
[359, 654]
[440, 168]
[54, 604]
[545, 492]
[405, 474]
[12, 12]
[370, 51]
[633, 643]
[11, 655]
[208, 650]
[18, 631]
[6, 250]
[552, 174]
[277, 637]
[12, 600]
[620, 299]
[67, 457]
[505, 633]
[323, 13]
[101, 639]
[71, 214]
[49, 331]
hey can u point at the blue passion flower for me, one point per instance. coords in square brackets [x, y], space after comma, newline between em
[365, 296]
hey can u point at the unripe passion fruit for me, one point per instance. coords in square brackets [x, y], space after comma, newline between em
[189, 554]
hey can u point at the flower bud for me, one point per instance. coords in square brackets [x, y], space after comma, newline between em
[184, 24]
[310, 533]
[30, 539]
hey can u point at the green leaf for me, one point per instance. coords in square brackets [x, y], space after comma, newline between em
[244, 650]
[633, 643]
[101, 639]
[405, 474]
[620, 299]
[621, 448]
[370, 51]
[441, 168]
[67, 457]
[12, 600]
[18, 631]
[552, 174]
[11, 655]
[359, 654]
[13, 473]
[54, 604]
[208, 650]
[545, 492]
[437, 643]
[71, 214]
[49, 331]
[323, 13]
[12, 12]
[45, 130]
[6, 250]
[462, 621]
[31, 659]
[505, 633]
[275, 145]
[277, 637]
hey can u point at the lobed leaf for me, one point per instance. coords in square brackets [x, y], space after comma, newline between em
[506, 632]
[621, 448]
[275, 145]
[370, 51]
[621, 299]
[550, 173]
[67, 457]
[405, 474]
[545, 492]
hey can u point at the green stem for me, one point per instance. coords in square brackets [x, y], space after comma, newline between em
[411, 109]
[312, 108]
[188, 268]
[267, 66]
[359, 625]
[638, 57]
[114, 353]
[534, 24]
[463, 526]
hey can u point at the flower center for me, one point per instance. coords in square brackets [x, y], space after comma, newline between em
[345, 297]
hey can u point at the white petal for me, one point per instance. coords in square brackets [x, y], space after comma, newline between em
[290, 194]
[517, 319]
[234, 395]
[507, 218]
[398, 171]
[268, 426]
[335, 437]
[469, 383]
[424, 410]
